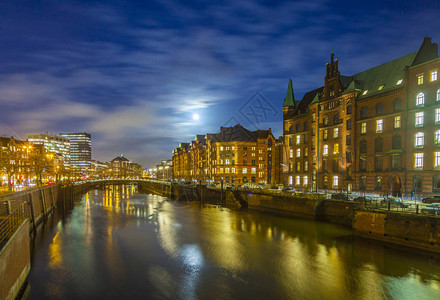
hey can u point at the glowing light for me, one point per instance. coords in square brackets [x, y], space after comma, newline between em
[195, 117]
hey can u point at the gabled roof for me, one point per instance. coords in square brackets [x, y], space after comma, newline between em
[119, 158]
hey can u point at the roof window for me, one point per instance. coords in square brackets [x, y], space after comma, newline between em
[381, 87]
[365, 92]
[399, 81]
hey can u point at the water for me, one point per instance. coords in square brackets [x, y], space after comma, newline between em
[117, 244]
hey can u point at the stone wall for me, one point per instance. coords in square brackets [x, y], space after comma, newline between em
[15, 262]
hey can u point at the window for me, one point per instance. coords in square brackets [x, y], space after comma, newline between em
[336, 119]
[336, 132]
[335, 165]
[291, 153]
[325, 121]
[419, 119]
[306, 152]
[397, 142]
[298, 180]
[348, 124]
[306, 180]
[437, 137]
[362, 164]
[325, 182]
[379, 125]
[221, 170]
[290, 180]
[336, 148]
[221, 148]
[306, 138]
[348, 140]
[434, 75]
[438, 95]
[313, 116]
[349, 108]
[365, 92]
[420, 79]
[395, 162]
[260, 166]
[306, 125]
[379, 145]
[380, 87]
[227, 161]
[227, 170]
[335, 181]
[362, 183]
[399, 81]
[244, 170]
[437, 115]
[378, 183]
[298, 166]
[418, 160]
[397, 105]
[437, 159]
[396, 122]
[417, 183]
[348, 157]
[420, 139]
[378, 163]
[261, 174]
[298, 127]
[298, 152]
[363, 128]
[306, 166]
[233, 170]
[254, 170]
[379, 108]
[363, 146]
[420, 100]
[436, 183]
[324, 134]
[325, 149]
[298, 139]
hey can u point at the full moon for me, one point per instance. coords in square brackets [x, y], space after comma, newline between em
[195, 116]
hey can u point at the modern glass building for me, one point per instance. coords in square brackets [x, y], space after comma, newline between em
[53, 144]
[80, 150]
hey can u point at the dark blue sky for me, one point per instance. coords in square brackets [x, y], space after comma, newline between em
[132, 73]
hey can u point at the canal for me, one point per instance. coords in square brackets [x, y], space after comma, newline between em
[119, 244]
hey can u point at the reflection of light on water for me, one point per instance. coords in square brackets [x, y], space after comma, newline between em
[55, 253]
[192, 258]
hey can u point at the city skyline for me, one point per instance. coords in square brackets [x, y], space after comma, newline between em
[134, 74]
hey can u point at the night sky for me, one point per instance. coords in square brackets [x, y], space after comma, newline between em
[133, 73]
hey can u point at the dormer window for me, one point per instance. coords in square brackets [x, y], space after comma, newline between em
[399, 81]
[365, 92]
[380, 87]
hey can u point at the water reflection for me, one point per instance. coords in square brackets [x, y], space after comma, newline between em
[121, 244]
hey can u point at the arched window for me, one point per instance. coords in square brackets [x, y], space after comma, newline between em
[336, 119]
[291, 129]
[349, 108]
[290, 180]
[420, 99]
[397, 105]
[379, 108]
[364, 112]
[325, 121]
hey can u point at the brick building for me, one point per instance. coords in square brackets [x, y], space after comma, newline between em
[375, 131]
[235, 154]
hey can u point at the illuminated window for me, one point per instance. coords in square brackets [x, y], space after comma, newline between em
[298, 152]
[227, 162]
[261, 174]
[437, 159]
[233, 170]
[335, 181]
[336, 149]
[306, 152]
[298, 180]
[325, 121]
[437, 137]
[227, 170]
[363, 128]
[419, 119]
[336, 132]
[244, 170]
[420, 79]
[291, 153]
[420, 99]
[397, 122]
[313, 117]
[399, 81]
[253, 148]
[306, 180]
[365, 92]
[437, 115]
[221, 170]
[253, 170]
[438, 95]
[418, 160]
[290, 180]
[379, 125]
[298, 139]
[420, 139]
[221, 148]
[306, 166]
[380, 87]
[434, 75]
[325, 149]
[324, 134]
[233, 148]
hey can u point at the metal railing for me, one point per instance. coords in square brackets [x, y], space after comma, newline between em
[10, 223]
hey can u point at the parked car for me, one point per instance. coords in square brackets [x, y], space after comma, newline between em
[226, 186]
[251, 185]
[432, 199]
[289, 190]
[394, 202]
[341, 196]
[363, 199]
